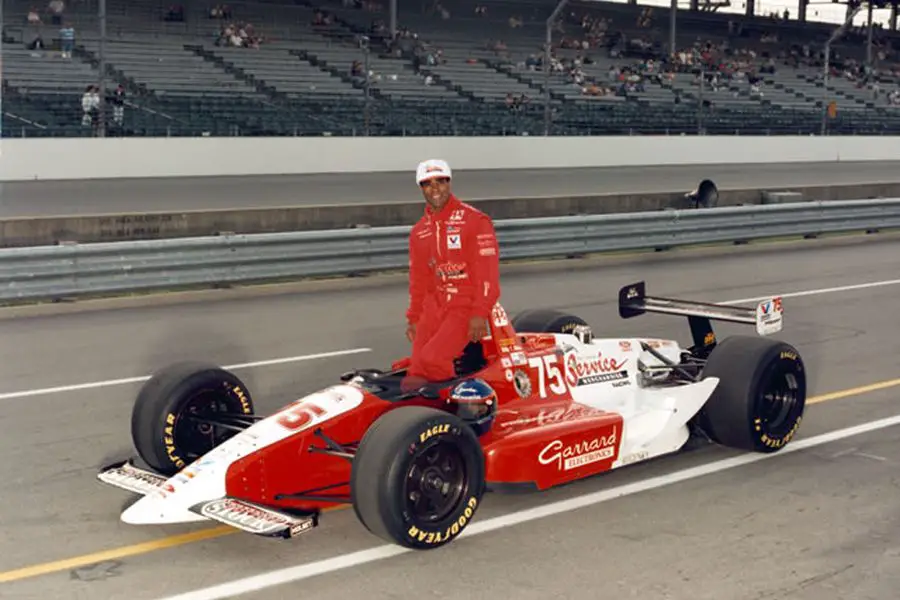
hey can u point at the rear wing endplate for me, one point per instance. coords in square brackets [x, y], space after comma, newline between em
[767, 316]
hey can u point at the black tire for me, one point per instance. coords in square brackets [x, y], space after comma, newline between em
[381, 483]
[761, 396]
[546, 321]
[162, 436]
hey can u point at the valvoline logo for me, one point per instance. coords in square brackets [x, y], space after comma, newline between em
[767, 307]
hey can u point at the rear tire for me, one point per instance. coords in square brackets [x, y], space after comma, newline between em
[161, 430]
[546, 321]
[417, 453]
[761, 396]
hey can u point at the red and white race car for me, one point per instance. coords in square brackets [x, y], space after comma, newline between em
[537, 403]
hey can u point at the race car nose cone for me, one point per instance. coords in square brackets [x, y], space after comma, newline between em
[155, 510]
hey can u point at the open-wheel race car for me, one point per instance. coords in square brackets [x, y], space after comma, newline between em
[537, 403]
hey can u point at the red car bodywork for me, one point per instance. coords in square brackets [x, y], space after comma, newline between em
[536, 441]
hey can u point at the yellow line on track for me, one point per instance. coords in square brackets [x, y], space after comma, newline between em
[115, 553]
[216, 532]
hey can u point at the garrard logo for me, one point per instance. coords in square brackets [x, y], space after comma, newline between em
[585, 452]
[585, 371]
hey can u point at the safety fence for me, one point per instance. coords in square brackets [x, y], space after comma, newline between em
[73, 270]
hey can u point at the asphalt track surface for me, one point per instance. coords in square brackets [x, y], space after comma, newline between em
[57, 198]
[813, 524]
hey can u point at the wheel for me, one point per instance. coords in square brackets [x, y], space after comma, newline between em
[546, 321]
[759, 402]
[418, 477]
[162, 430]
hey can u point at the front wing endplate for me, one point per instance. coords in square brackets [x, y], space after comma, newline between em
[254, 518]
[126, 476]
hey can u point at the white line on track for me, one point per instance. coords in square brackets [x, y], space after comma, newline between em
[111, 382]
[355, 559]
[290, 359]
[831, 290]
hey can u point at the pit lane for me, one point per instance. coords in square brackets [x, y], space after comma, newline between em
[128, 196]
[799, 517]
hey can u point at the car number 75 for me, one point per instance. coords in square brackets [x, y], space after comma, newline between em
[548, 369]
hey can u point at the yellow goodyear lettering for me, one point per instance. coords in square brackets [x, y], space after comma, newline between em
[242, 396]
[435, 537]
[432, 431]
[783, 440]
[789, 354]
[169, 442]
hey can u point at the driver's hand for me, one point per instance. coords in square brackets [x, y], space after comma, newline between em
[411, 332]
[477, 328]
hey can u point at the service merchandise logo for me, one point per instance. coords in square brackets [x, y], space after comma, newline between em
[581, 370]
[572, 456]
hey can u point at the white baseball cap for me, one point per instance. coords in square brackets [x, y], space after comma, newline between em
[429, 169]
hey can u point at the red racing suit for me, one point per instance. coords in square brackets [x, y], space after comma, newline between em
[453, 276]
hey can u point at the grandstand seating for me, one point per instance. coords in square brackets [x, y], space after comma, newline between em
[453, 78]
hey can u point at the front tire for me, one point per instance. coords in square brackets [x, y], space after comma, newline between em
[759, 402]
[163, 433]
[417, 478]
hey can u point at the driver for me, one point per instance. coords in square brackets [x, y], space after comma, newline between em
[453, 277]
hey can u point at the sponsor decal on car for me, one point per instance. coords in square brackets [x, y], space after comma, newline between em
[572, 456]
[251, 518]
[634, 457]
[582, 370]
[570, 412]
[522, 383]
[129, 477]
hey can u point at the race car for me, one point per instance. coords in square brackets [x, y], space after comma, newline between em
[537, 403]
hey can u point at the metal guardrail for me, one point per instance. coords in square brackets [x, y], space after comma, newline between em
[72, 270]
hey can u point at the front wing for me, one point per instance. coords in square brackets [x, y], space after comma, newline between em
[240, 514]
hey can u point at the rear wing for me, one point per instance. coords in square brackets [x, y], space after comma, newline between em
[768, 315]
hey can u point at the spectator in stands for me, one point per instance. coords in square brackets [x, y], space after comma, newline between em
[34, 31]
[175, 14]
[67, 40]
[55, 8]
[37, 40]
[220, 11]
[118, 103]
[90, 106]
[321, 18]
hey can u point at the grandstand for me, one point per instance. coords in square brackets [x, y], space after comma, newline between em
[455, 69]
